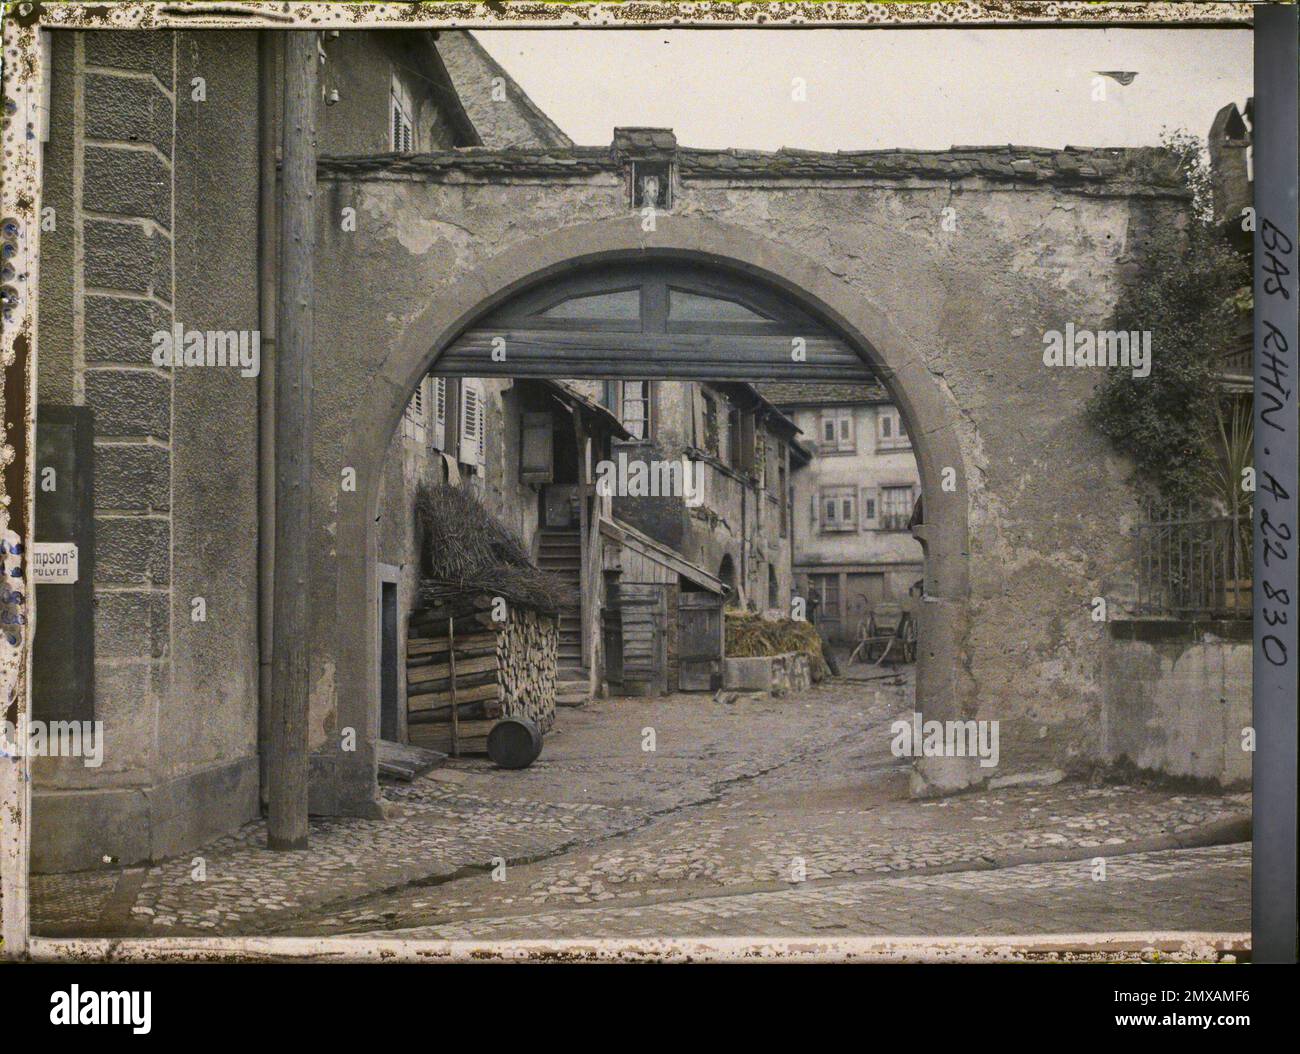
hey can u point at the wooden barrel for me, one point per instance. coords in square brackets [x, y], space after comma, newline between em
[514, 743]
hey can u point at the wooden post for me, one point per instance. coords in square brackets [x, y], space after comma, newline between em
[455, 706]
[287, 770]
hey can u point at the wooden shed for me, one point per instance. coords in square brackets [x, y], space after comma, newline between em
[466, 669]
[662, 619]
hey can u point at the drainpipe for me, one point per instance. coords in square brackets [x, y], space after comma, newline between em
[267, 241]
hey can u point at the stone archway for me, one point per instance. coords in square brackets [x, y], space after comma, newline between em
[942, 689]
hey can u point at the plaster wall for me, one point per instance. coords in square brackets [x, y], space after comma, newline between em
[954, 320]
[1178, 699]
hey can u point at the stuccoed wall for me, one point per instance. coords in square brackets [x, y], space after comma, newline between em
[154, 192]
[963, 313]
[867, 467]
[1177, 699]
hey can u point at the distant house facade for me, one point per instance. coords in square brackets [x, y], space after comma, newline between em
[852, 502]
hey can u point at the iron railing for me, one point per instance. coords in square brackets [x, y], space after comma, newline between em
[1195, 567]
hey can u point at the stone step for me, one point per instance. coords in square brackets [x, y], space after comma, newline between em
[572, 693]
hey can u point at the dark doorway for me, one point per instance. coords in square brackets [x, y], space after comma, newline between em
[388, 661]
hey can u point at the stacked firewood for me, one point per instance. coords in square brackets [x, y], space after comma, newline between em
[527, 658]
[485, 658]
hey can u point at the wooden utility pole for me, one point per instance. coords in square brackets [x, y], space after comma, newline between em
[455, 706]
[287, 771]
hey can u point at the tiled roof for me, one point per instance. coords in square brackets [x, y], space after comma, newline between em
[797, 393]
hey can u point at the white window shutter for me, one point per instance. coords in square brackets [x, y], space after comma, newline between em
[440, 413]
[480, 395]
[471, 422]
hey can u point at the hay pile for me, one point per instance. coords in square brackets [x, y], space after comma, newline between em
[750, 635]
[465, 548]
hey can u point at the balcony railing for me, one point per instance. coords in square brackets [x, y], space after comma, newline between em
[1195, 567]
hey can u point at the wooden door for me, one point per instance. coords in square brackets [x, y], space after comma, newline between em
[699, 620]
[644, 613]
[388, 661]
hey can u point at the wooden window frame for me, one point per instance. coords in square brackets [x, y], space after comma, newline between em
[896, 520]
[842, 422]
[897, 439]
[647, 401]
[831, 501]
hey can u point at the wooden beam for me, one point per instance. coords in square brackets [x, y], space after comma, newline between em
[289, 761]
[716, 356]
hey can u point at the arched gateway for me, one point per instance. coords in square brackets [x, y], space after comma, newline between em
[691, 299]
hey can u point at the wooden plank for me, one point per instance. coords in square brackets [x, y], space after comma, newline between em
[736, 357]
[458, 668]
[436, 645]
[444, 684]
[400, 761]
[428, 700]
[438, 737]
[415, 662]
[465, 711]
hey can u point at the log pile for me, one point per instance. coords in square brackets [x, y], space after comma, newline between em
[457, 653]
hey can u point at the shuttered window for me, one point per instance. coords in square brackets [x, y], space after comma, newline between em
[835, 435]
[839, 509]
[414, 419]
[709, 420]
[439, 438]
[868, 504]
[472, 424]
[402, 130]
[891, 431]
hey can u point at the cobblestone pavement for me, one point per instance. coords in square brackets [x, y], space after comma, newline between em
[1192, 889]
[789, 815]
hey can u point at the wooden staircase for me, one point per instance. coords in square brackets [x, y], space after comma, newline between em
[560, 553]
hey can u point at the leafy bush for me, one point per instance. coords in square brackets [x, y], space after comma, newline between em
[1190, 298]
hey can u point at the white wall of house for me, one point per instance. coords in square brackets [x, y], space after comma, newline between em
[852, 503]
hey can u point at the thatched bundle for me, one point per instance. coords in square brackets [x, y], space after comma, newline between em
[750, 635]
[466, 549]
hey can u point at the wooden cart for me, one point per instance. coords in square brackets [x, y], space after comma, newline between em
[888, 630]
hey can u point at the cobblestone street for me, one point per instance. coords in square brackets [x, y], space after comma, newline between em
[774, 817]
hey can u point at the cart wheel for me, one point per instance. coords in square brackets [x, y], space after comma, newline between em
[908, 632]
[869, 653]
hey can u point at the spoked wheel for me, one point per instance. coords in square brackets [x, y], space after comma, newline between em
[907, 631]
[869, 651]
[863, 646]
